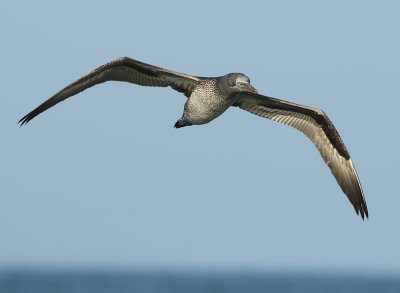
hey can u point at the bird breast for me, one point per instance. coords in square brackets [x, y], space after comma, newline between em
[205, 104]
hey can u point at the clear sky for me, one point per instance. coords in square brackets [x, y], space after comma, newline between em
[103, 179]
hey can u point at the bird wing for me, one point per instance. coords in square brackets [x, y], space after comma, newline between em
[121, 69]
[315, 124]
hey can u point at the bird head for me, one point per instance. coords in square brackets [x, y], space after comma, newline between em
[239, 82]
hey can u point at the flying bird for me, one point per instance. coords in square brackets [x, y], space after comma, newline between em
[209, 97]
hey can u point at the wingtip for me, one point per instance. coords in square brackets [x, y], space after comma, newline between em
[24, 120]
[28, 117]
[365, 211]
[362, 210]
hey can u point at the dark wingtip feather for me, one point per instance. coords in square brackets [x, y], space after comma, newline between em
[28, 117]
[362, 210]
[24, 120]
[360, 207]
[365, 210]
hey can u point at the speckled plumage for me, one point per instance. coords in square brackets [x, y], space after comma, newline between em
[207, 102]
[208, 98]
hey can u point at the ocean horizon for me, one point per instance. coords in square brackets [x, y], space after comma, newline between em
[163, 281]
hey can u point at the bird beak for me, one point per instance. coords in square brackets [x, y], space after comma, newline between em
[248, 88]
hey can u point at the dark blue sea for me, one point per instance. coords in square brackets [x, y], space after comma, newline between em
[30, 281]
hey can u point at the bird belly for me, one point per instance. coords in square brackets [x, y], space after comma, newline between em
[203, 110]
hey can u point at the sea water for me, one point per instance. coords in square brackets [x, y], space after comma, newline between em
[43, 281]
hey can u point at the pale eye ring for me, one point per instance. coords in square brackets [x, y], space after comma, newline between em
[238, 82]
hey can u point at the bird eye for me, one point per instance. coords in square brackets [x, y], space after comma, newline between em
[238, 82]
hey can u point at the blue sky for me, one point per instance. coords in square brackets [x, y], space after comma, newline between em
[103, 179]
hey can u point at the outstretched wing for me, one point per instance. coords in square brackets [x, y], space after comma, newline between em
[121, 69]
[319, 129]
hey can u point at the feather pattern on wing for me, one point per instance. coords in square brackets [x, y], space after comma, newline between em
[315, 124]
[121, 69]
